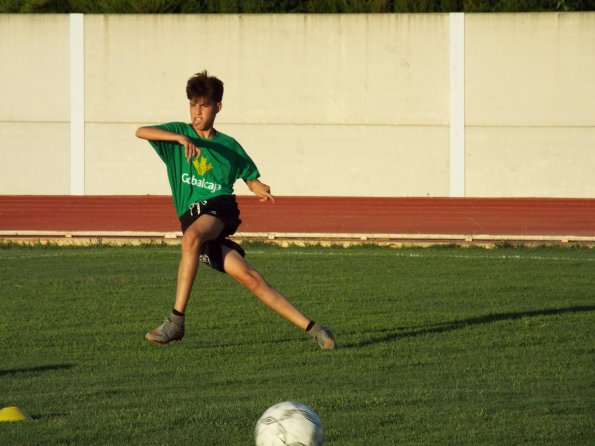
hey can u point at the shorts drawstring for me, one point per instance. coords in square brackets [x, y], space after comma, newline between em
[195, 208]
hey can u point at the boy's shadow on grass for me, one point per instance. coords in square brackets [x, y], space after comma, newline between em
[39, 369]
[404, 333]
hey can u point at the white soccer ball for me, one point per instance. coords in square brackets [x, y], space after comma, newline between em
[289, 424]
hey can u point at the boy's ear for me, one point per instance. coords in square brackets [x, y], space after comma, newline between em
[219, 106]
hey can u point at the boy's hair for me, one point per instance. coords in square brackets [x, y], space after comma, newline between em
[201, 85]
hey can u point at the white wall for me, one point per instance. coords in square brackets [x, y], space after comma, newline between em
[34, 104]
[530, 105]
[347, 105]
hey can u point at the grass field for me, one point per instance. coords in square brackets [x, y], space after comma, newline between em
[437, 346]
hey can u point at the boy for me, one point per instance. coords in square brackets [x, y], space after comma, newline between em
[202, 166]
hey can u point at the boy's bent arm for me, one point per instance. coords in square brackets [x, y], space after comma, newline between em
[157, 134]
[260, 189]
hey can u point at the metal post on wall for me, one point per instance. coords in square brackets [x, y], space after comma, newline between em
[77, 104]
[457, 104]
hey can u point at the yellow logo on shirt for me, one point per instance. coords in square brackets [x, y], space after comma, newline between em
[202, 166]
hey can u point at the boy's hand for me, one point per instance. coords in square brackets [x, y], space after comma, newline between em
[190, 150]
[261, 190]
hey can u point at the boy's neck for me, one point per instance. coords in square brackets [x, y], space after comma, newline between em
[206, 133]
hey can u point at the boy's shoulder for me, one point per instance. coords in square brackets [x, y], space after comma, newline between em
[226, 139]
[177, 127]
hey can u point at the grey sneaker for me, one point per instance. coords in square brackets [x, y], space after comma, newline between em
[325, 339]
[168, 331]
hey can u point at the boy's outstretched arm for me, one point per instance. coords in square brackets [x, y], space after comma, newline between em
[261, 190]
[156, 134]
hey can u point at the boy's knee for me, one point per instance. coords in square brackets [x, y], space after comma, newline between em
[251, 279]
[191, 240]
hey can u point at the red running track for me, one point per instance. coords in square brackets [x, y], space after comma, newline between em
[473, 216]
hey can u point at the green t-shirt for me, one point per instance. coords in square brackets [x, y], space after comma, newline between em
[222, 161]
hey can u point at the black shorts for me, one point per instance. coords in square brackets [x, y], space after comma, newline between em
[225, 208]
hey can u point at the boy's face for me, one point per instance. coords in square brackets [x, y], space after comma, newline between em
[203, 113]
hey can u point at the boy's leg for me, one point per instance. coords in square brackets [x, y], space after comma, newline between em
[238, 268]
[205, 228]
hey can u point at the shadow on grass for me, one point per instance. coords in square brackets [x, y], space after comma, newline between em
[39, 369]
[403, 333]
